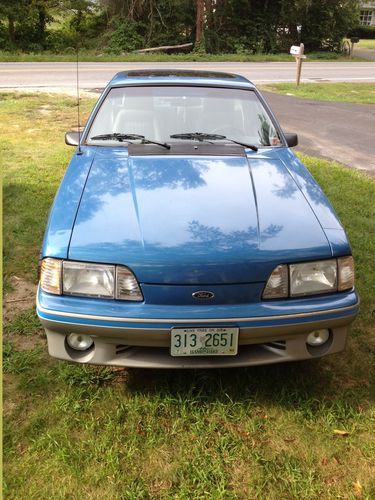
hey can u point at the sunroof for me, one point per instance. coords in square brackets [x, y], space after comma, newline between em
[179, 73]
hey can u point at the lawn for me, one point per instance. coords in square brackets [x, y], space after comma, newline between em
[365, 44]
[361, 93]
[302, 430]
[92, 56]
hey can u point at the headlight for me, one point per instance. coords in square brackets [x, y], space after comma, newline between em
[89, 280]
[310, 278]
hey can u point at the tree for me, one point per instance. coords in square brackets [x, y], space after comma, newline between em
[216, 26]
[26, 22]
[199, 22]
[326, 23]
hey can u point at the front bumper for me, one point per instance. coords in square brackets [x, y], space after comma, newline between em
[270, 332]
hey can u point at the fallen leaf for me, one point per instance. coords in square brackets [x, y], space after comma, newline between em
[357, 488]
[289, 440]
[340, 432]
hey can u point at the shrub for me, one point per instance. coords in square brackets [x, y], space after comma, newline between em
[364, 32]
[126, 37]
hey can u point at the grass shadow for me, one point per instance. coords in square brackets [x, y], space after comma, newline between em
[285, 384]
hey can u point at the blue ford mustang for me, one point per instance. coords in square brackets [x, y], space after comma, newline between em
[186, 234]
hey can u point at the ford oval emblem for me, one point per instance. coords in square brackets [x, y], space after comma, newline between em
[203, 294]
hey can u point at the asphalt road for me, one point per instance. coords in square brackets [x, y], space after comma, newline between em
[54, 74]
[339, 131]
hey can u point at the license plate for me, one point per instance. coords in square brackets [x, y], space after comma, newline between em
[204, 341]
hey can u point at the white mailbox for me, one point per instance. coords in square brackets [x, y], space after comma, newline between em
[295, 50]
[298, 52]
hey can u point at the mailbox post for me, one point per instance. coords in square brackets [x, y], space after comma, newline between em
[353, 40]
[298, 52]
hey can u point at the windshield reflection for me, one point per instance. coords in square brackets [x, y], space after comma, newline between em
[159, 112]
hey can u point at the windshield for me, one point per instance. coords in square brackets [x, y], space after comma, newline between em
[161, 112]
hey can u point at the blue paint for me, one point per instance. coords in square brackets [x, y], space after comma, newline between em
[182, 220]
[184, 223]
[146, 310]
[65, 206]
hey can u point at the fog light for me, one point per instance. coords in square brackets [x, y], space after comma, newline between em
[79, 342]
[318, 337]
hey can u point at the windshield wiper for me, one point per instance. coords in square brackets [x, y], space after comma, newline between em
[117, 137]
[201, 136]
[250, 146]
[128, 138]
[150, 141]
[198, 136]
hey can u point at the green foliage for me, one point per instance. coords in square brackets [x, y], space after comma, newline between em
[231, 26]
[200, 47]
[127, 36]
[364, 32]
[270, 26]
[327, 22]
[25, 23]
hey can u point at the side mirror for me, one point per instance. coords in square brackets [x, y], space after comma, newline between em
[72, 138]
[291, 139]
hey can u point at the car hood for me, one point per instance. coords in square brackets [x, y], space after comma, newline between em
[194, 219]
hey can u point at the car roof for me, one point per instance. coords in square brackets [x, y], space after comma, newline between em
[178, 77]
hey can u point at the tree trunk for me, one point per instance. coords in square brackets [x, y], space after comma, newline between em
[11, 30]
[42, 21]
[199, 21]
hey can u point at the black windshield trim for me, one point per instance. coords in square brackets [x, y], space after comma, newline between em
[187, 149]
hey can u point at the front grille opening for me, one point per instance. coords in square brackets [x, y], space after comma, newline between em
[277, 344]
[122, 348]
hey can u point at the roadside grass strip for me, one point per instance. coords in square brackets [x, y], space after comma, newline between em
[360, 93]
[298, 430]
[93, 56]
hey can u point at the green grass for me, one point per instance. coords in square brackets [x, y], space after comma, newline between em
[73, 431]
[26, 323]
[92, 56]
[34, 159]
[365, 44]
[361, 93]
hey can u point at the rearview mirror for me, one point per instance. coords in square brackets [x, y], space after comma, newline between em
[72, 138]
[291, 139]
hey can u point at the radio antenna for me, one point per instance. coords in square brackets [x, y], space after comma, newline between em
[78, 115]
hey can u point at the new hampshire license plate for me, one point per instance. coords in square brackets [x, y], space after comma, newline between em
[204, 341]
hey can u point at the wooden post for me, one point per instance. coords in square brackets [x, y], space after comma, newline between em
[299, 63]
[353, 40]
[351, 49]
